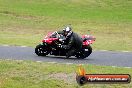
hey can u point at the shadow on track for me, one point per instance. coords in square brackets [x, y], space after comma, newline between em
[64, 58]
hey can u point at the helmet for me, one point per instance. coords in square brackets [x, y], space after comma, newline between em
[67, 31]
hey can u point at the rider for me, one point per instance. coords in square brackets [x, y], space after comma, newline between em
[74, 41]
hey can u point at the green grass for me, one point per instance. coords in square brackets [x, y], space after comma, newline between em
[25, 22]
[30, 74]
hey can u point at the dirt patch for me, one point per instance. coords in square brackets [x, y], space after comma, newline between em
[68, 78]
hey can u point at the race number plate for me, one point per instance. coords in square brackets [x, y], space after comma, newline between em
[86, 49]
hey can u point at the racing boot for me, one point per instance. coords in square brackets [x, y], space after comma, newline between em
[70, 53]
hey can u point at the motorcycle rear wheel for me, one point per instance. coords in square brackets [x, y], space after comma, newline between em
[86, 51]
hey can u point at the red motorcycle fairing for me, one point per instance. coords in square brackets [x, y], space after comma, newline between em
[88, 39]
[49, 40]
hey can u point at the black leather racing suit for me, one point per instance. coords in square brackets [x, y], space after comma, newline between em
[74, 43]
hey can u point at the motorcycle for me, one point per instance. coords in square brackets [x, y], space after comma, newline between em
[51, 45]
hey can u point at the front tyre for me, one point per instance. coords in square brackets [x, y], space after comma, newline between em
[41, 50]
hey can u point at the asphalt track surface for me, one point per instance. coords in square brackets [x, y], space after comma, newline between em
[109, 58]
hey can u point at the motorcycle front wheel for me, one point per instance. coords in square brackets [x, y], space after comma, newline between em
[41, 50]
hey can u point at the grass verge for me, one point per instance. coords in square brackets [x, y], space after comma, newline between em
[30, 74]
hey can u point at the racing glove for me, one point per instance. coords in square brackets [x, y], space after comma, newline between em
[64, 46]
[59, 45]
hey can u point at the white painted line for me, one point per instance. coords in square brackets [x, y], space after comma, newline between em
[39, 61]
[19, 60]
[23, 46]
[114, 66]
[112, 51]
[121, 67]
[103, 50]
[125, 51]
[5, 45]
[8, 59]
[127, 67]
[68, 63]
[52, 62]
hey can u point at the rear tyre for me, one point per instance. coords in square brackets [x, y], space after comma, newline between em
[86, 51]
[41, 50]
